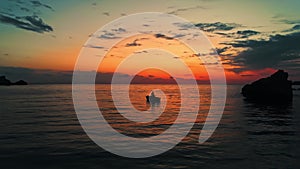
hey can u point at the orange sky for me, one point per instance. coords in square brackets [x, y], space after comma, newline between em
[138, 45]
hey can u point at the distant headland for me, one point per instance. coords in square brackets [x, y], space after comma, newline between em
[6, 82]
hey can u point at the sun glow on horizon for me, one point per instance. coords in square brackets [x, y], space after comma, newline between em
[143, 45]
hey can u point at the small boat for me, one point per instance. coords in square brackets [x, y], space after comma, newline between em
[152, 98]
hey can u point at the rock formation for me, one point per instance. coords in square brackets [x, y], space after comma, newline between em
[274, 89]
[20, 82]
[6, 82]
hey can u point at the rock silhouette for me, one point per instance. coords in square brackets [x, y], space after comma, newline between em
[6, 82]
[20, 82]
[274, 89]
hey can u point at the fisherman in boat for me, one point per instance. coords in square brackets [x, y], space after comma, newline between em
[152, 98]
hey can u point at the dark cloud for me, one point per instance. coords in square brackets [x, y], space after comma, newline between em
[220, 51]
[242, 34]
[29, 19]
[108, 35]
[247, 33]
[178, 35]
[93, 46]
[39, 4]
[106, 13]
[222, 33]
[184, 26]
[25, 6]
[158, 35]
[25, 9]
[244, 43]
[134, 43]
[196, 55]
[120, 30]
[295, 28]
[217, 26]
[31, 23]
[143, 51]
[268, 53]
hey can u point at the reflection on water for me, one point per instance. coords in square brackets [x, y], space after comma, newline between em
[273, 127]
[39, 128]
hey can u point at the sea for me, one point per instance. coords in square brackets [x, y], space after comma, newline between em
[39, 128]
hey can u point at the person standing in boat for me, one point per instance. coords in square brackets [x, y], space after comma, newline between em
[152, 94]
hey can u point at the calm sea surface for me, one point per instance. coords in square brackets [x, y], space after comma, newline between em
[39, 129]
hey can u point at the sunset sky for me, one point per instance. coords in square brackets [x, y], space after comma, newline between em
[253, 38]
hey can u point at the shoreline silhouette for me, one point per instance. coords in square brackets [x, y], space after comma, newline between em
[6, 82]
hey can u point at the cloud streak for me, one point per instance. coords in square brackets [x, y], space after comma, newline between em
[134, 43]
[217, 26]
[24, 15]
[158, 35]
[247, 33]
[39, 4]
[31, 23]
[93, 46]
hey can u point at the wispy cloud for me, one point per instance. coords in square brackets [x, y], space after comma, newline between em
[241, 34]
[32, 23]
[39, 4]
[108, 35]
[119, 30]
[179, 10]
[24, 15]
[294, 28]
[93, 46]
[158, 35]
[134, 43]
[247, 33]
[143, 51]
[290, 21]
[217, 26]
[106, 13]
[220, 51]
[25, 9]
